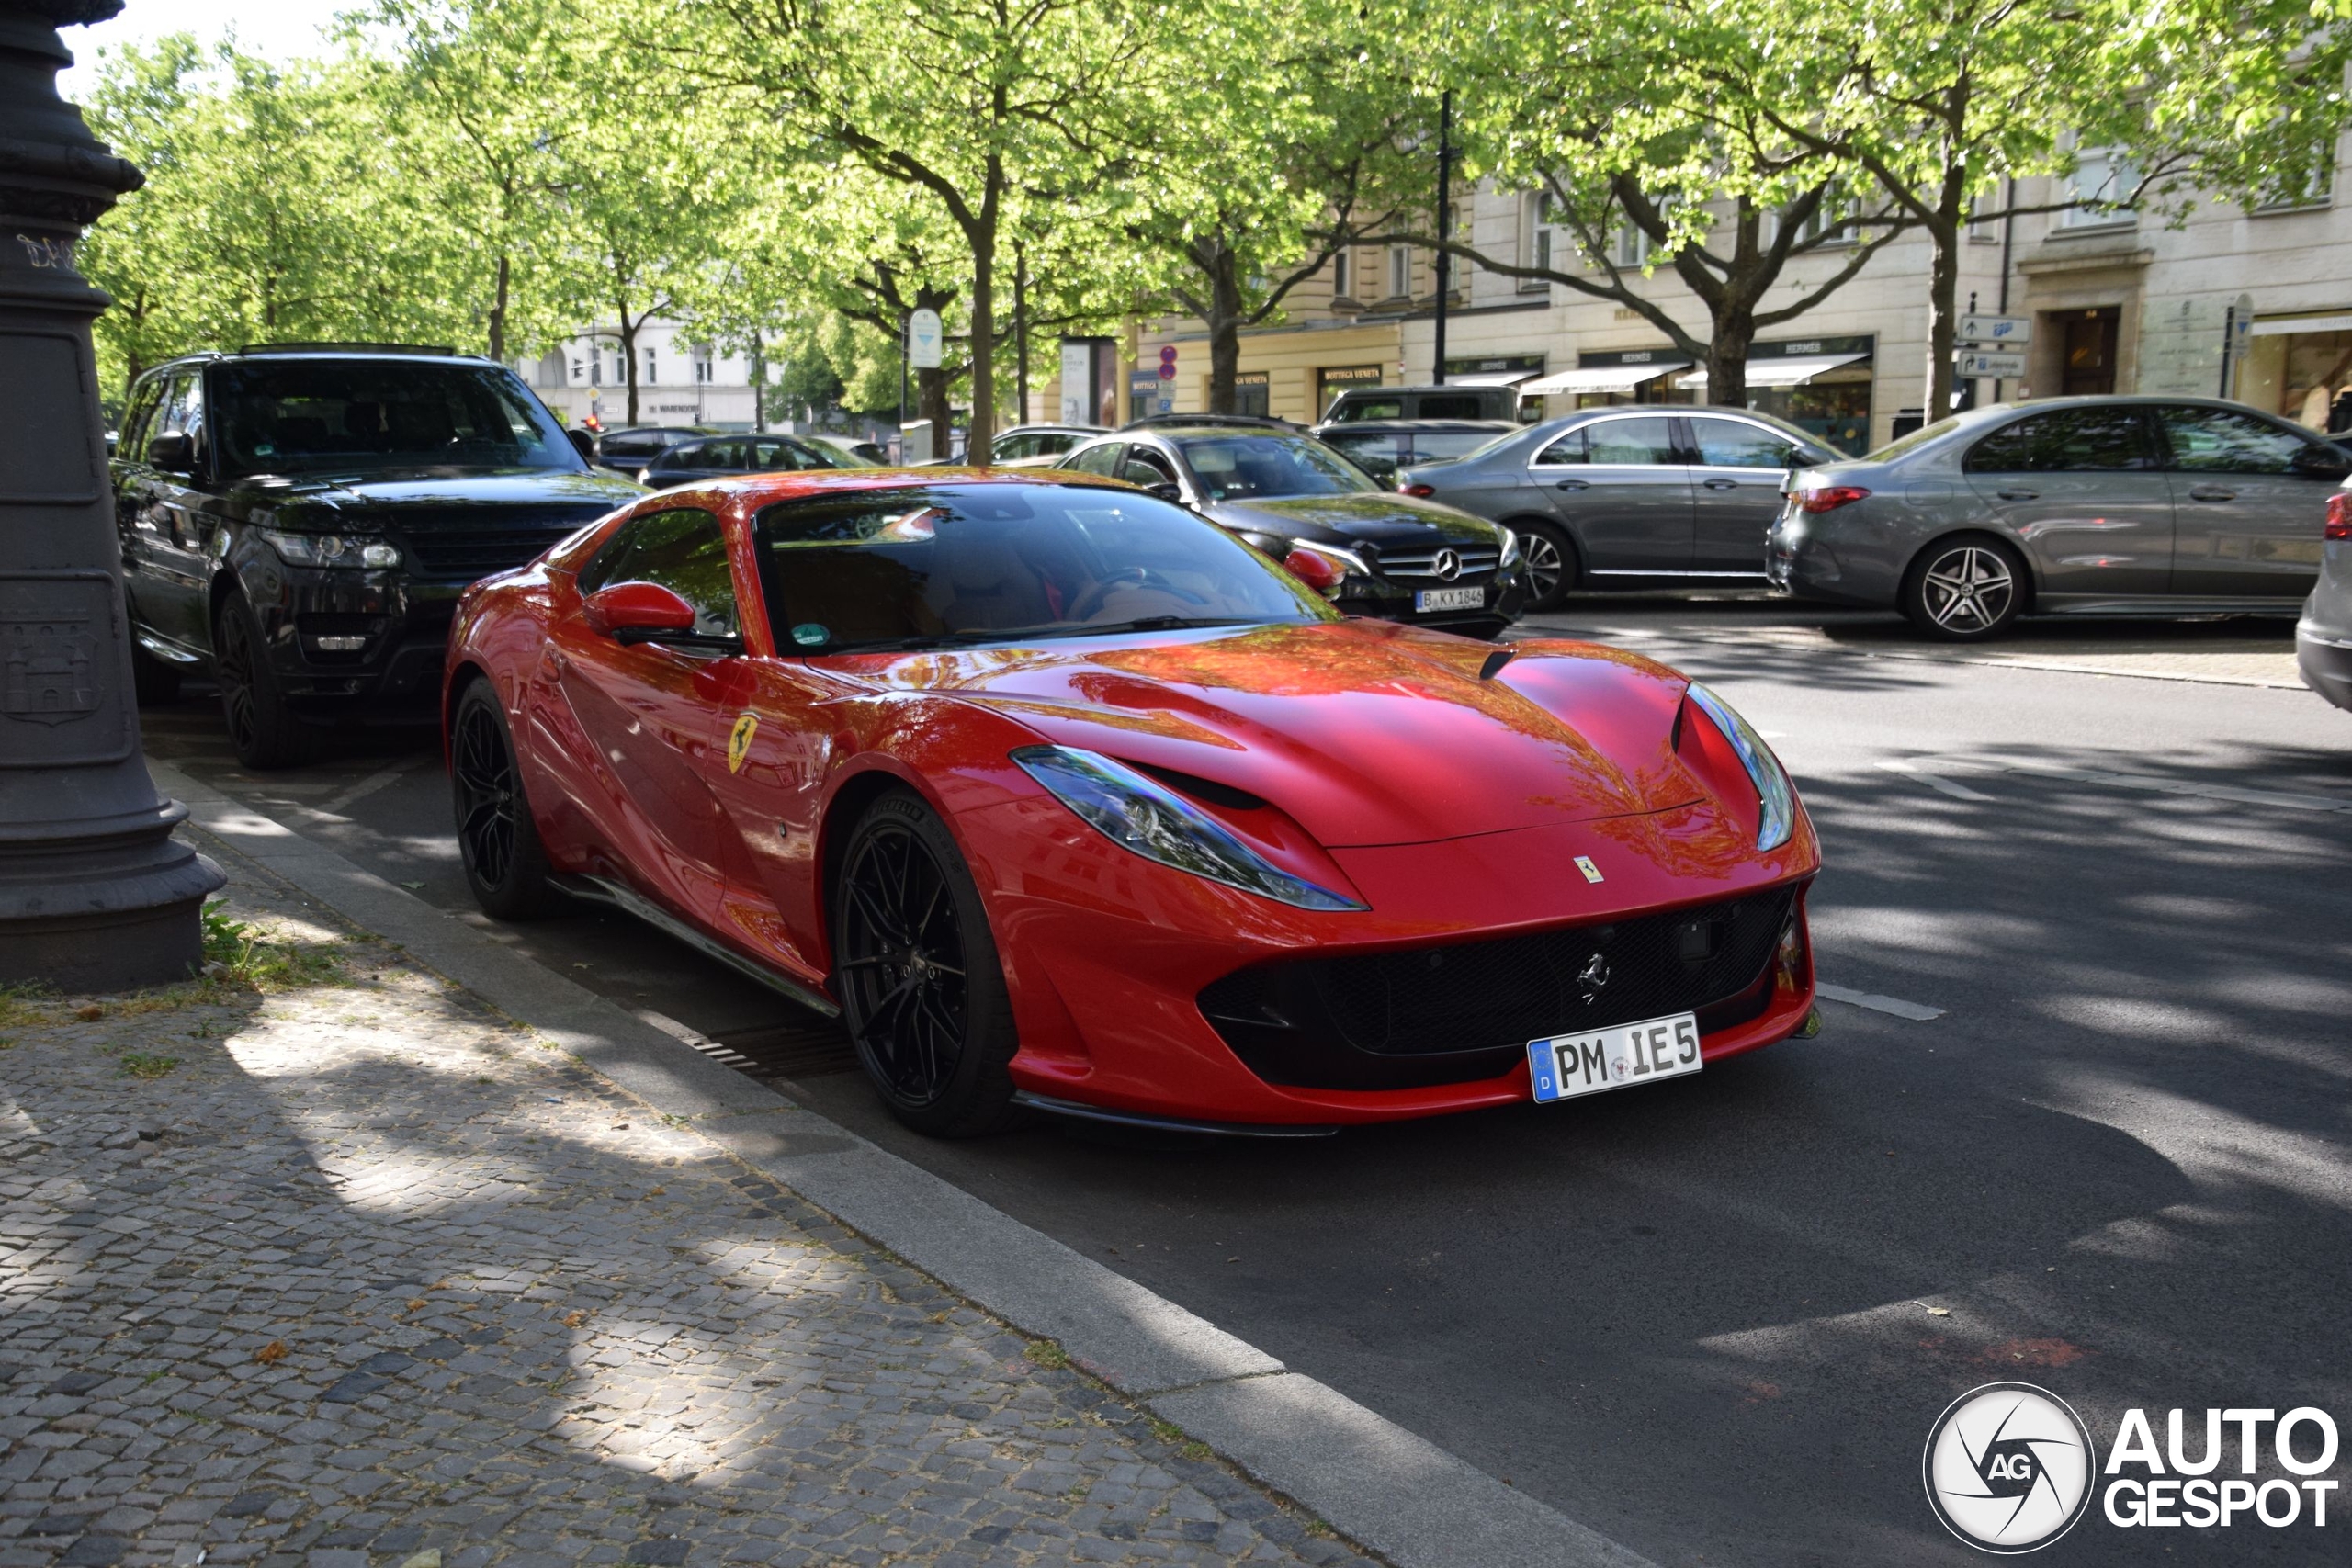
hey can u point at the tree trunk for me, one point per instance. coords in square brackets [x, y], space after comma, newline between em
[498, 311]
[1021, 334]
[628, 359]
[1734, 335]
[1225, 332]
[1943, 321]
[981, 432]
[759, 383]
[931, 403]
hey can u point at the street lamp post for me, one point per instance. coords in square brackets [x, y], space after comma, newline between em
[94, 893]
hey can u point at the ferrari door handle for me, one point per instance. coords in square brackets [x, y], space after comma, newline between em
[2020, 495]
[1721, 484]
[1574, 484]
[2212, 492]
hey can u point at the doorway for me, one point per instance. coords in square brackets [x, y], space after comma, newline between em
[2088, 343]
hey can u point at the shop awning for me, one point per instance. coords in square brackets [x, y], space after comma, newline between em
[1796, 370]
[2286, 326]
[1606, 378]
[1489, 378]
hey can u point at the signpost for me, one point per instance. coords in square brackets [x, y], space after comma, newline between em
[925, 340]
[1999, 331]
[1975, 362]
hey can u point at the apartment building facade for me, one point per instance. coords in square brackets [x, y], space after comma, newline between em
[2254, 304]
[679, 380]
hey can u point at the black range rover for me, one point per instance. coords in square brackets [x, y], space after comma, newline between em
[300, 521]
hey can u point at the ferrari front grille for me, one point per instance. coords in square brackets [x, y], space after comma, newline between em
[1466, 1011]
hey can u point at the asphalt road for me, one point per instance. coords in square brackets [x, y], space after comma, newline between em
[1714, 1319]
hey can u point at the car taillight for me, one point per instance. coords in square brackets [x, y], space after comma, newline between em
[1319, 572]
[2339, 516]
[1829, 498]
[1424, 491]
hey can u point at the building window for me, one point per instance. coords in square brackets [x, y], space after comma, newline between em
[2302, 191]
[704, 365]
[2102, 177]
[650, 379]
[1826, 226]
[1633, 245]
[1340, 269]
[1401, 272]
[1535, 238]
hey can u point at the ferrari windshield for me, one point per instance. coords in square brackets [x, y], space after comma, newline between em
[332, 415]
[1264, 467]
[934, 566]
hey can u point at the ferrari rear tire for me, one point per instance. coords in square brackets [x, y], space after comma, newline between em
[506, 864]
[916, 970]
[1549, 562]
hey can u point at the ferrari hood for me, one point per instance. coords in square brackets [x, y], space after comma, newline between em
[1364, 732]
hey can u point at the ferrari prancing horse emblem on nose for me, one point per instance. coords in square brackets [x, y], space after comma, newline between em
[738, 743]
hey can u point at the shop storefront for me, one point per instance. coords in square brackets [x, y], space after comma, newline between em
[1331, 381]
[1606, 377]
[2302, 366]
[1253, 389]
[1820, 385]
[1500, 370]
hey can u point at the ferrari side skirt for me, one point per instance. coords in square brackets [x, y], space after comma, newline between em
[603, 890]
[1138, 1119]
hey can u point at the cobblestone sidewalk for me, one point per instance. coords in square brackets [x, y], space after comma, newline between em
[341, 1269]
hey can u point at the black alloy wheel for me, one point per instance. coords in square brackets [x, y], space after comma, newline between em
[917, 975]
[262, 727]
[1548, 561]
[507, 866]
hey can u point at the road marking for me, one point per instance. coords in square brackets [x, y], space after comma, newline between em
[381, 779]
[2172, 786]
[1916, 1012]
[1934, 781]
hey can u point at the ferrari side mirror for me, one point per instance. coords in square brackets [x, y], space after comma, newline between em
[637, 612]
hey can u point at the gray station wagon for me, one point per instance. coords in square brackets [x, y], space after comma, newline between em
[2111, 505]
[1631, 496]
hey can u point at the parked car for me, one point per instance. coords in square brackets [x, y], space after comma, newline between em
[1374, 552]
[299, 523]
[1628, 497]
[868, 454]
[724, 456]
[2108, 505]
[1381, 446]
[1066, 802]
[1361, 403]
[626, 451]
[1038, 446]
[2324, 635]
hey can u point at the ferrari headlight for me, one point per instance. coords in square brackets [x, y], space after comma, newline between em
[1779, 800]
[1510, 551]
[1141, 814]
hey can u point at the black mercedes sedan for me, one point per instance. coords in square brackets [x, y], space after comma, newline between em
[1372, 552]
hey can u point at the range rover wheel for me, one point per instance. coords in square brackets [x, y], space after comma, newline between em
[1967, 589]
[262, 727]
[916, 974]
[1549, 562]
[506, 865]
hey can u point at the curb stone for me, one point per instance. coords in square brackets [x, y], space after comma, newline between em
[1369, 1479]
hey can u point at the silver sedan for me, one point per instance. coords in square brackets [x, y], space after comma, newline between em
[2111, 505]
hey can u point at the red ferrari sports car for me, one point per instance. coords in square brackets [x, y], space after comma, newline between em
[1067, 799]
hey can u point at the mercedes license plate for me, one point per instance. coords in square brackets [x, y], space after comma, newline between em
[1566, 1065]
[1450, 599]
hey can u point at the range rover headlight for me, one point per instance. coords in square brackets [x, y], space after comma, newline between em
[1140, 814]
[331, 550]
[1775, 794]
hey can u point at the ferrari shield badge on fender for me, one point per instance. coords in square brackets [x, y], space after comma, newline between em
[738, 743]
[1584, 863]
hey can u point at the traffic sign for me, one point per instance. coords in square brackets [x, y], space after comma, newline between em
[1974, 363]
[2002, 331]
[1168, 354]
[923, 340]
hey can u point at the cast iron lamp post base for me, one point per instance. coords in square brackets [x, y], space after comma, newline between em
[94, 893]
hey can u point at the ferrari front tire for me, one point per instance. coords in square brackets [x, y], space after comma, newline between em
[506, 865]
[916, 969]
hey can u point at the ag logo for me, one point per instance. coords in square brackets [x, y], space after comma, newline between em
[738, 743]
[2008, 1468]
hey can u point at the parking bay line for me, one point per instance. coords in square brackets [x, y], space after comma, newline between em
[2162, 787]
[1951, 787]
[1919, 1012]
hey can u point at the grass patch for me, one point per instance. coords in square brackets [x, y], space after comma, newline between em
[144, 1065]
[251, 958]
[1047, 1354]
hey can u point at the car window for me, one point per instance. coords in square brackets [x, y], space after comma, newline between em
[1052, 443]
[301, 415]
[1568, 448]
[2083, 440]
[773, 455]
[817, 455]
[1736, 444]
[1648, 442]
[1102, 459]
[1265, 468]
[683, 550]
[1145, 467]
[1445, 446]
[1008, 447]
[1379, 453]
[142, 410]
[1356, 412]
[2217, 441]
[685, 454]
[1449, 405]
[982, 563]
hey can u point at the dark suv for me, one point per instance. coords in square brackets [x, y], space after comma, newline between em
[300, 521]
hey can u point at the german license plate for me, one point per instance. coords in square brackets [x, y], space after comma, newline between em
[1566, 1066]
[1450, 599]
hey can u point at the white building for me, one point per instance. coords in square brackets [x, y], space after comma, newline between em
[680, 379]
